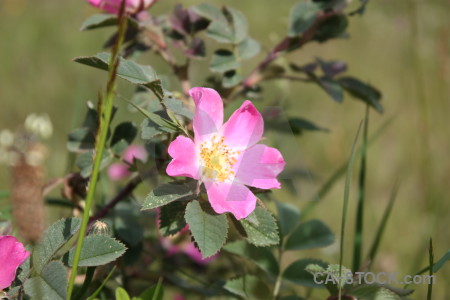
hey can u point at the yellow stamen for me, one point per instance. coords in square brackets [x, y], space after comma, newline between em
[217, 159]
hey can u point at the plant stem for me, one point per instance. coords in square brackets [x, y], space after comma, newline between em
[276, 289]
[105, 112]
[357, 247]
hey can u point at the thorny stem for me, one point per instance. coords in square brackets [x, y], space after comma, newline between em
[105, 112]
[286, 45]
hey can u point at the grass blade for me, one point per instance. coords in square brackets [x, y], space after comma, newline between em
[100, 288]
[348, 178]
[376, 242]
[358, 239]
[326, 187]
[431, 259]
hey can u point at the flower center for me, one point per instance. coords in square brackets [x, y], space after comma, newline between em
[217, 159]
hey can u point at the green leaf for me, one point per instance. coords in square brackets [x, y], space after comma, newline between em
[85, 162]
[373, 292]
[297, 273]
[155, 292]
[126, 224]
[266, 232]
[363, 91]
[169, 192]
[248, 48]
[262, 257]
[209, 12]
[231, 78]
[310, 235]
[178, 107]
[208, 229]
[103, 20]
[128, 70]
[99, 289]
[248, 287]
[97, 250]
[332, 88]
[54, 238]
[223, 60]
[81, 139]
[50, 284]
[123, 136]
[121, 294]
[303, 16]
[288, 217]
[150, 130]
[292, 297]
[331, 27]
[171, 218]
[239, 24]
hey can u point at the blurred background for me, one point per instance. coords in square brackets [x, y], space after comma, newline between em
[401, 47]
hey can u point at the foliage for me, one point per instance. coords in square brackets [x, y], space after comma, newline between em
[173, 238]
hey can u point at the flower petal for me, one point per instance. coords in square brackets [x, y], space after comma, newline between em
[244, 128]
[208, 117]
[118, 171]
[135, 151]
[12, 255]
[184, 162]
[231, 197]
[259, 166]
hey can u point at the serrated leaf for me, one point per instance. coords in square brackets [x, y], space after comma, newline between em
[288, 217]
[54, 238]
[373, 292]
[248, 287]
[128, 70]
[297, 272]
[123, 136]
[309, 235]
[209, 11]
[223, 60]
[126, 224]
[51, 284]
[262, 257]
[303, 16]
[97, 250]
[363, 91]
[169, 192]
[264, 234]
[208, 229]
[248, 48]
[171, 218]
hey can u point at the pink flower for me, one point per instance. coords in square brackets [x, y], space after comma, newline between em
[12, 255]
[226, 157]
[119, 171]
[131, 6]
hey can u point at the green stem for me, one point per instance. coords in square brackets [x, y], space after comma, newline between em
[357, 250]
[276, 289]
[105, 113]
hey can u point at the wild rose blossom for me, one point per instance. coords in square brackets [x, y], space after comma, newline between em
[113, 6]
[119, 171]
[12, 255]
[226, 157]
